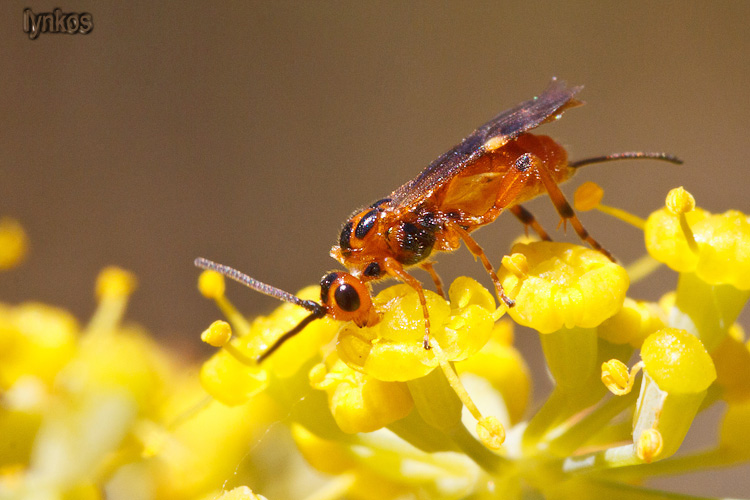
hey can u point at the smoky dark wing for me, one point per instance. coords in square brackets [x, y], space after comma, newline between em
[506, 126]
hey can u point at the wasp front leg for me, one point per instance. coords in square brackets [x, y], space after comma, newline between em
[430, 268]
[395, 269]
[477, 251]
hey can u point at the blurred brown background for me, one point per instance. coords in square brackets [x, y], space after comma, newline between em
[246, 132]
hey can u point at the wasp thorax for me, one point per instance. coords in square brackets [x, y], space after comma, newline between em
[346, 298]
[410, 242]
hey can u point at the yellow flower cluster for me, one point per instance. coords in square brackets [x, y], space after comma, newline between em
[97, 411]
[100, 411]
[406, 422]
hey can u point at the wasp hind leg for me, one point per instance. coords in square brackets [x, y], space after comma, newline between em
[529, 221]
[561, 204]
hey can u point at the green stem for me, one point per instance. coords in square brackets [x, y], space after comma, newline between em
[706, 311]
[334, 489]
[577, 434]
[439, 406]
[107, 316]
[680, 465]
[620, 456]
[617, 491]
[572, 357]
[544, 419]
[483, 457]
[415, 431]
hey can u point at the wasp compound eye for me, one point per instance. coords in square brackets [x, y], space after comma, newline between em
[325, 286]
[366, 223]
[346, 235]
[347, 297]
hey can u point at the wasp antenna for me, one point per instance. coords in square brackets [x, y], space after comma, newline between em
[316, 309]
[630, 155]
[291, 333]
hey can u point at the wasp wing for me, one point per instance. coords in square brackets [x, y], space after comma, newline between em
[500, 130]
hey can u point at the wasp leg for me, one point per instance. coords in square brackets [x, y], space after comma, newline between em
[477, 251]
[562, 205]
[529, 221]
[395, 269]
[430, 268]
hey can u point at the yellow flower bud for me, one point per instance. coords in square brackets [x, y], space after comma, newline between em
[732, 359]
[360, 403]
[240, 493]
[232, 375]
[724, 242]
[230, 381]
[126, 359]
[633, 323]
[392, 350]
[677, 373]
[677, 361]
[666, 241]
[295, 352]
[466, 291]
[330, 457]
[35, 339]
[688, 239]
[567, 286]
[517, 264]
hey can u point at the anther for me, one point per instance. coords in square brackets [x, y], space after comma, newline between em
[617, 378]
[649, 446]
[217, 334]
[588, 196]
[517, 264]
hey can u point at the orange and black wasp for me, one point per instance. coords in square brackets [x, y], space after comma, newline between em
[496, 168]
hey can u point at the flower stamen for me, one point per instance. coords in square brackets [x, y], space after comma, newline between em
[588, 196]
[517, 264]
[113, 289]
[489, 429]
[217, 334]
[679, 202]
[649, 445]
[617, 378]
[491, 432]
[212, 286]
